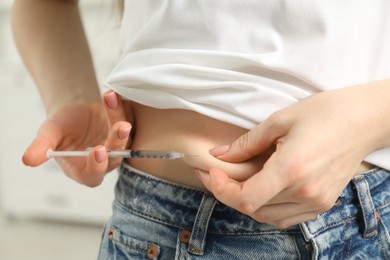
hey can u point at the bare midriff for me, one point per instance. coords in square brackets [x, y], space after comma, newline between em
[190, 133]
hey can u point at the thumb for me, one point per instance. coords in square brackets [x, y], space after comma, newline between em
[247, 146]
[48, 137]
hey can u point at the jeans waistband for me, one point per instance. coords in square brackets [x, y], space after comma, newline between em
[360, 200]
[177, 205]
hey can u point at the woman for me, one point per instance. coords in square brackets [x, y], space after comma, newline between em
[196, 76]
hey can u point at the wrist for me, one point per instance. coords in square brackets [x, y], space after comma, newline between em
[55, 100]
[376, 96]
[381, 97]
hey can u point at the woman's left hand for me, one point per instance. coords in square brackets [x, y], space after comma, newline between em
[319, 143]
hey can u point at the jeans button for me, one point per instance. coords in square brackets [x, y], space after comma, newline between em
[152, 251]
[185, 236]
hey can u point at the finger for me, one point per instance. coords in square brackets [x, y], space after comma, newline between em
[48, 137]
[117, 140]
[278, 212]
[291, 216]
[249, 195]
[252, 143]
[114, 107]
[95, 169]
[204, 177]
[294, 220]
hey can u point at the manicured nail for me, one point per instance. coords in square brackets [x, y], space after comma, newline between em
[220, 150]
[111, 99]
[124, 132]
[201, 175]
[100, 154]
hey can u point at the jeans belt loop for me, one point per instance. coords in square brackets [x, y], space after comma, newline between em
[199, 230]
[367, 206]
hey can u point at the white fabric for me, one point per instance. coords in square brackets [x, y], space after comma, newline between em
[241, 60]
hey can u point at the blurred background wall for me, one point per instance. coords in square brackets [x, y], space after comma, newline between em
[42, 199]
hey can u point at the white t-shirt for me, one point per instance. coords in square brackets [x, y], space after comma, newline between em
[241, 60]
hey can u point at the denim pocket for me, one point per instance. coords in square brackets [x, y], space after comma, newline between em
[124, 247]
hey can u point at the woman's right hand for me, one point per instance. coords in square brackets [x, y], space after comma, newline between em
[80, 126]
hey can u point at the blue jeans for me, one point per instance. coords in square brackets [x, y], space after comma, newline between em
[156, 219]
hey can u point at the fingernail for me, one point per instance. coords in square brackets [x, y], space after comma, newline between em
[124, 132]
[111, 99]
[197, 173]
[220, 150]
[100, 154]
[200, 174]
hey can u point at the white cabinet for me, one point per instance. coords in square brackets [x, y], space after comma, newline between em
[45, 191]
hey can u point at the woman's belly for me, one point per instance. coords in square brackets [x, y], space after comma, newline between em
[187, 132]
[190, 133]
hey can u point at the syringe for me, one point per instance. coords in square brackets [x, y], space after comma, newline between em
[142, 154]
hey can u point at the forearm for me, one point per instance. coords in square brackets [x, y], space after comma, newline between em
[52, 43]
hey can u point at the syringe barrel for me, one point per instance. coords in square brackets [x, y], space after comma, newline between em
[147, 154]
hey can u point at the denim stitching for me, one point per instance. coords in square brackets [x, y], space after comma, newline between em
[297, 248]
[381, 242]
[150, 217]
[203, 216]
[134, 247]
[368, 194]
[335, 224]
[386, 204]
[369, 172]
[363, 206]
[349, 250]
[153, 178]
[344, 234]
[215, 232]
[369, 230]
[350, 243]
[196, 231]
[178, 249]
[197, 221]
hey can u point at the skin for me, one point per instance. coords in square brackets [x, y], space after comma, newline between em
[287, 170]
[317, 153]
[52, 43]
[78, 118]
